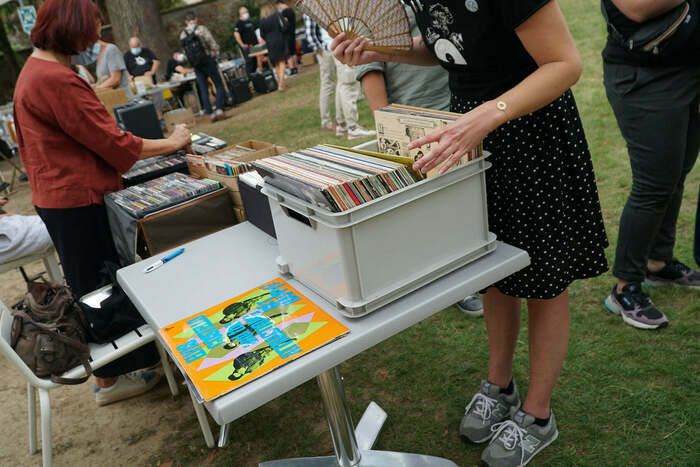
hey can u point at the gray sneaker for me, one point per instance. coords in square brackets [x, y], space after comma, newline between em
[515, 442]
[471, 306]
[487, 408]
[635, 307]
[674, 273]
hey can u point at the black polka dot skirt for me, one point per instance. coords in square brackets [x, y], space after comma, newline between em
[542, 197]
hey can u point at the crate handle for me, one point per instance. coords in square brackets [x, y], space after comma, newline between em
[292, 214]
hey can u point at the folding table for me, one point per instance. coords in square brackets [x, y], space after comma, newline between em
[232, 261]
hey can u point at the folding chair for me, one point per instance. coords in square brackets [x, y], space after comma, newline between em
[50, 263]
[100, 355]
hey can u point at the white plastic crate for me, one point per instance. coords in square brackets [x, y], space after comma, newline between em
[369, 256]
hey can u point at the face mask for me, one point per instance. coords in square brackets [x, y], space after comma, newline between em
[180, 58]
[245, 16]
[136, 50]
[88, 56]
[191, 25]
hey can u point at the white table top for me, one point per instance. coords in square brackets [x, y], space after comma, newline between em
[233, 261]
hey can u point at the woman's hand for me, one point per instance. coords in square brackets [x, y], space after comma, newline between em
[180, 137]
[458, 139]
[354, 52]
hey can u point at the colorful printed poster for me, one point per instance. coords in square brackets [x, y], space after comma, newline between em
[242, 339]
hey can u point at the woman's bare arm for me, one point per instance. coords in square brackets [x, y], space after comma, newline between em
[547, 39]
[374, 85]
[355, 53]
[113, 81]
[640, 11]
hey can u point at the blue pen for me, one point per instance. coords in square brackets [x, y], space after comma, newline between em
[164, 260]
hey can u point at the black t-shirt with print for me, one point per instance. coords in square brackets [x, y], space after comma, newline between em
[138, 65]
[475, 41]
[247, 31]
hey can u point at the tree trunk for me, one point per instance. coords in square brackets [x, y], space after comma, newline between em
[10, 57]
[139, 18]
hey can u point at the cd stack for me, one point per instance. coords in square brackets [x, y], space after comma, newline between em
[335, 179]
[228, 162]
[155, 167]
[161, 193]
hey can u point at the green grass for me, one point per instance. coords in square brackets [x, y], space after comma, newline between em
[625, 397]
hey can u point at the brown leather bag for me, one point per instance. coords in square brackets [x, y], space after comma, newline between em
[49, 335]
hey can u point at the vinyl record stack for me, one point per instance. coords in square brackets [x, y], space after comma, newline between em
[335, 179]
[161, 193]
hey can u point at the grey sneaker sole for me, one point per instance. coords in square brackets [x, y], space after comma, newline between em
[537, 451]
[610, 306]
[470, 313]
[652, 283]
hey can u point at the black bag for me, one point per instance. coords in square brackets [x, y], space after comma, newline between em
[49, 333]
[240, 90]
[116, 315]
[194, 49]
[665, 34]
[264, 82]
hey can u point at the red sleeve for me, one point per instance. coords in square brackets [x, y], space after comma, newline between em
[82, 116]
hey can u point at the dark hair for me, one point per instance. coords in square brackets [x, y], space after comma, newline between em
[66, 26]
[190, 16]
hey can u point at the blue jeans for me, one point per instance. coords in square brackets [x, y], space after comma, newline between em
[204, 72]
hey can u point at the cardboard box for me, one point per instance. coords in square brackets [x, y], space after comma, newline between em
[178, 116]
[198, 165]
[308, 59]
[111, 98]
[240, 214]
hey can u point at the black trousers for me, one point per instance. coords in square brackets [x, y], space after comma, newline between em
[696, 250]
[657, 110]
[84, 242]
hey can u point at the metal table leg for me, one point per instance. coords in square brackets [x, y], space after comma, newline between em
[345, 443]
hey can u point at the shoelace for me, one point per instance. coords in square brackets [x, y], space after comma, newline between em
[639, 297]
[483, 406]
[511, 436]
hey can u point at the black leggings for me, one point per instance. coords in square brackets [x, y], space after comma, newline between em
[84, 242]
[658, 114]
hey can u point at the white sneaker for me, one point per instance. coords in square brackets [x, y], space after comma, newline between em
[341, 129]
[471, 306]
[129, 385]
[357, 132]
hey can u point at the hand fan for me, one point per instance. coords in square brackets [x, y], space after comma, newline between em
[383, 22]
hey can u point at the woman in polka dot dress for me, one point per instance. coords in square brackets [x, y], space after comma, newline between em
[511, 64]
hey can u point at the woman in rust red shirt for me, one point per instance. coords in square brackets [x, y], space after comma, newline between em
[74, 154]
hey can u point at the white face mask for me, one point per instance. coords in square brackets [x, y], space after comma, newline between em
[88, 56]
[245, 16]
[180, 58]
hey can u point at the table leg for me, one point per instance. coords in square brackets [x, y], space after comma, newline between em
[203, 421]
[345, 444]
[224, 434]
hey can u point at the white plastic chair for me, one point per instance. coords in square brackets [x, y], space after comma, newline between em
[47, 256]
[100, 355]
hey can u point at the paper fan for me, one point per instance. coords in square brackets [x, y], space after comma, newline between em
[383, 22]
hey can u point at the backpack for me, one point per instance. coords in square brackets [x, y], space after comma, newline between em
[49, 333]
[194, 49]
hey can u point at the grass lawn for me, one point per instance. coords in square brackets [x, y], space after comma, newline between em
[625, 396]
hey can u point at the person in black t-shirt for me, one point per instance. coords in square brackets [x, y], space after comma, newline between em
[246, 38]
[141, 61]
[511, 64]
[655, 98]
[287, 13]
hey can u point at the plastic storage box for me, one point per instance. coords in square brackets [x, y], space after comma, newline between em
[371, 255]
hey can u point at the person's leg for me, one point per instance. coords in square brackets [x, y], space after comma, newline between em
[502, 316]
[697, 232]
[340, 118]
[349, 89]
[281, 78]
[549, 340]
[656, 141]
[662, 250]
[203, 87]
[213, 72]
[325, 66]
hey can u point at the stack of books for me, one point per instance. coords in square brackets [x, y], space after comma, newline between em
[400, 125]
[335, 179]
[156, 195]
[155, 167]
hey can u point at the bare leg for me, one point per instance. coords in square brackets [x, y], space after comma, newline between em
[502, 316]
[280, 75]
[549, 340]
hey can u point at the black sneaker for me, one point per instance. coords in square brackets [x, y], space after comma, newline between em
[674, 273]
[635, 308]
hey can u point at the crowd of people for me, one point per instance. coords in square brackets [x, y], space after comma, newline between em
[508, 66]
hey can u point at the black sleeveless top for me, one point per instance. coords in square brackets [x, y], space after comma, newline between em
[475, 41]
